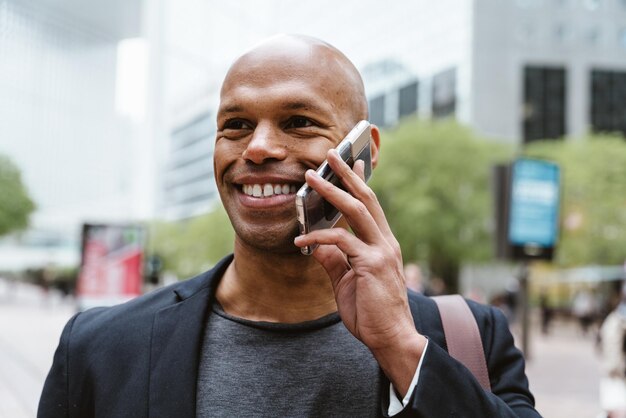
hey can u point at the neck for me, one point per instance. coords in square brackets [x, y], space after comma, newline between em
[286, 288]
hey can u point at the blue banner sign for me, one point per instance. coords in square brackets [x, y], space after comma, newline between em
[534, 204]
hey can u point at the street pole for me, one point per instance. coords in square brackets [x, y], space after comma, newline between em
[525, 307]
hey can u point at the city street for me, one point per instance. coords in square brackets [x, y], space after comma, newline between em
[564, 373]
[563, 369]
[30, 326]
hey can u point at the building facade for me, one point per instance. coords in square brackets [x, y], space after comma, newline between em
[60, 124]
[188, 180]
[516, 71]
[531, 70]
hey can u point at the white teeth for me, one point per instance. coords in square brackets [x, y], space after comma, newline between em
[267, 189]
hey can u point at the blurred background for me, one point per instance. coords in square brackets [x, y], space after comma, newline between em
[107, 122]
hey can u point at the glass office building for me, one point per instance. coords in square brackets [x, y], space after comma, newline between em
[59, 121]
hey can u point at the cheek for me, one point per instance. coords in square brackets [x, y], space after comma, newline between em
[225, 153]
[312, 155]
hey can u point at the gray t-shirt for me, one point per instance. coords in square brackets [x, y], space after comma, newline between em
[262, 369]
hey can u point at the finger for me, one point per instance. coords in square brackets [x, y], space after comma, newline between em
[355, 212]
[353, 181]
[359, 169]
[333, 261]
[349, 244]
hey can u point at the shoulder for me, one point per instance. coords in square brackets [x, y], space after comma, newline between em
[137, 309]
[490, 320]
[132, 321]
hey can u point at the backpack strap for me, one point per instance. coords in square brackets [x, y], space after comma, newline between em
[462, 336]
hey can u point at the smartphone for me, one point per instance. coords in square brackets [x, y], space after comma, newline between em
[314, 212]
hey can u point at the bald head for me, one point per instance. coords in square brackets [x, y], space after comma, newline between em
[289, 57]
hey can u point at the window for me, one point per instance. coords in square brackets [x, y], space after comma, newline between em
[608, 101]
[592, 4]
[444, 94]
[377, 110]
[194, 131]
[407, 103]
[544, 103]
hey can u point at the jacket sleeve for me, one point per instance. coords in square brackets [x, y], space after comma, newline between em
[54, 397]
[448, 388]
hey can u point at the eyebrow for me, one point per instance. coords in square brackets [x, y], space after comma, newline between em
[287, 105]
[230, 109]
[297, 105]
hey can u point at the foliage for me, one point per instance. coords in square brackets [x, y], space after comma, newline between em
[433, 181]
[15, 203]
[594, 197]
[191, 246]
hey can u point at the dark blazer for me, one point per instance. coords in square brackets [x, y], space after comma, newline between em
[141, 358]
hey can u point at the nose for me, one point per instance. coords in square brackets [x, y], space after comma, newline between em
[265, 144]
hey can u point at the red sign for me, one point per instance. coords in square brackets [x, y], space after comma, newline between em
[111, 265]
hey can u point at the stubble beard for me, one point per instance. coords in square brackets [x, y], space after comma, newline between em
[263, 237]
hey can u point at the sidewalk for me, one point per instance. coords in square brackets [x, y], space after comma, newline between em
[563, 368]
[30, 327]
[564, 372]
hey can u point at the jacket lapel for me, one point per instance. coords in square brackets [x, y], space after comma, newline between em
[177, 334]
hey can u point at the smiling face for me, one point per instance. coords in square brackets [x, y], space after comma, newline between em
[282, 106]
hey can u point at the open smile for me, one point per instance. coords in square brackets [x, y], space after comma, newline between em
[268, 189]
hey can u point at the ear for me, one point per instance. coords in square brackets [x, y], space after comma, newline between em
[375, 145]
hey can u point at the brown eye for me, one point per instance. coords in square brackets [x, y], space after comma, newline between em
[236, 124]
[298, 122]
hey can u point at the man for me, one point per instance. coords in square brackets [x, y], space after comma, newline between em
[268, 331]
[613, 350]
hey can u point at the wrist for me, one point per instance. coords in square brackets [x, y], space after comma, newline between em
[399, 360]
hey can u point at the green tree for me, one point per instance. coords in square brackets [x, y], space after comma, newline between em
[15, 203]
[191, 246]
[594, 198]
[433, 183]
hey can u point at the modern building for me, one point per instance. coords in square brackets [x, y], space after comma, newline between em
[188, 181]
[109, 107]
[527, 70]
[516, 71]
[62, 123]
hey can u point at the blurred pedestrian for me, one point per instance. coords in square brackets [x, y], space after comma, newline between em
[413, 277]
[476, 293]
[506, 301]
[436, 287]
[546, 312]
[613, 344]
[584, 309]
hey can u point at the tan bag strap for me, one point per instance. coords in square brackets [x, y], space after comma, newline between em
[462, 336]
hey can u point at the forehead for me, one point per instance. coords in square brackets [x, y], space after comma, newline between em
[304, 72]
[287, 96]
